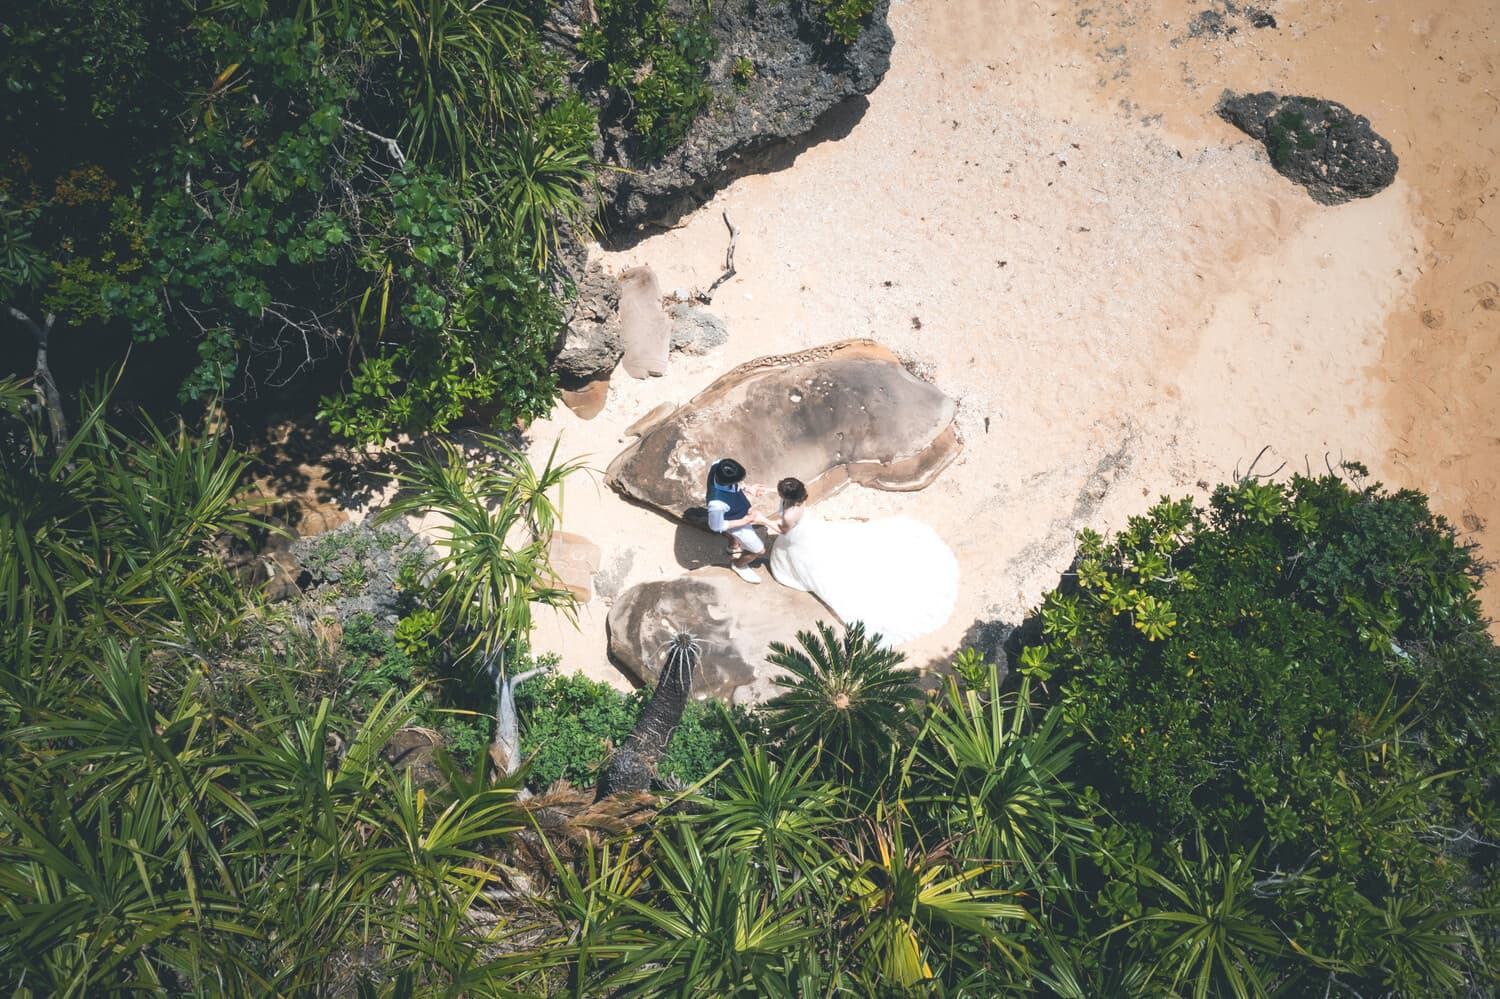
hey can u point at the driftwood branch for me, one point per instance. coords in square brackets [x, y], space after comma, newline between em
[391, 145]
[46, 386]
[707, 297]
[1250, 473]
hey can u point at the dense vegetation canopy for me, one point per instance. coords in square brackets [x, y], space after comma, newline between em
[358, 198]
[1276, 777]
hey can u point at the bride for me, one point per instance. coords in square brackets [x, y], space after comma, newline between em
[894, 574]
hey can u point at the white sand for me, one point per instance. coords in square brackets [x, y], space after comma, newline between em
[1124, 297]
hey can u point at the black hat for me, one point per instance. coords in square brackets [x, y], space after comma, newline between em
[726, 471]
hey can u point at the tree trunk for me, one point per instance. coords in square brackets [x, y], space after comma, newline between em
[46, 386]
[632, 767]
[506, 748]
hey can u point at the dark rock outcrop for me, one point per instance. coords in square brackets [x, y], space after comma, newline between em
[800, 71]
[844, 411]
[590, 345]
[1320, 144]
[734, 622]
[353, 569]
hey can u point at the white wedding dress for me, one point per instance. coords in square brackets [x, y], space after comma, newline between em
[894, 574]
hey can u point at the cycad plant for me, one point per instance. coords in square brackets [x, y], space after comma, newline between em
[846, 696]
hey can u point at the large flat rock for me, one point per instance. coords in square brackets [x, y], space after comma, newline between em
[735, 621]
[846, 411]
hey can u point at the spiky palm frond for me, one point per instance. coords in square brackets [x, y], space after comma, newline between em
[539, 188]
[910, 905]
[784, 814]
[498, 518]
[1209, 933]
[847, 696]
[709, 924]
[991, 774]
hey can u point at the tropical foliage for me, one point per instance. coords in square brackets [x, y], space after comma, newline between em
[1250, 749]
[1291, 695]
[844, 695]
[655, 67]
[352, 198]
[295, 198]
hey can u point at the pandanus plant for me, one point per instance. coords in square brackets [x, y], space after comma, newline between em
[495, 542]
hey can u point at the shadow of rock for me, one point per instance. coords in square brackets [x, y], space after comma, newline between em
[695, 546]
[834, 124]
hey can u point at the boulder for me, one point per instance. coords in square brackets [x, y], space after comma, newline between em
[574, 560]
[776, 71]
[695, 330]
[590, 345]
[282, 572]
[846, 411]
[734, 621]
[644, 328]
[587, 402]
[414, 751]
[651, 418]
[1320, 144]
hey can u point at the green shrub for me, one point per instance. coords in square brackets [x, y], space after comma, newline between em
[216, 179]
[1301, 670]
[657, 66]
[972, 669]
[569, 723]
[704, 739]
[373, 664]
[846, 18]
[415, 636]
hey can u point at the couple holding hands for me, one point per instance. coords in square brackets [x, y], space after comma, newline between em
[847, 565]
[731, 512]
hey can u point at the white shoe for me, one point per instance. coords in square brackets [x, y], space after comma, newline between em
[746, 573]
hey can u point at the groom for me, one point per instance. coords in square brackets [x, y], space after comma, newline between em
[729, 513]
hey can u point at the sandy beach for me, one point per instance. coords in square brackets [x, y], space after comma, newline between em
[1039, 211]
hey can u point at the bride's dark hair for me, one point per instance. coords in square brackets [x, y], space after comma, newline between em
[792, 491]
